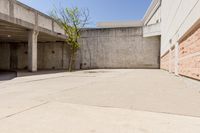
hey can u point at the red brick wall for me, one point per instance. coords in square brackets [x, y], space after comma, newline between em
[165, 62]
[172, 63]
[189, 55]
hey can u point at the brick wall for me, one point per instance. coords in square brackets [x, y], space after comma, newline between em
[189, 55]
[165, 61]
[172, 63]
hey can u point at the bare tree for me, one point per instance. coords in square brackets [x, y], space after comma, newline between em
[72, 20]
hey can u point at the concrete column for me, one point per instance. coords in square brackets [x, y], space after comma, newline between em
[32, 50]
[176, 58]
[170, 60]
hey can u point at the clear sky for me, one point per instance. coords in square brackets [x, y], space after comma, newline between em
[100, 10]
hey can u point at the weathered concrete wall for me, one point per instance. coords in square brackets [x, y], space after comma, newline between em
[4, 56]
[118, 48]
[18, 13]
[100, 48]
[53, 56]
[4, 7]
[50, 56]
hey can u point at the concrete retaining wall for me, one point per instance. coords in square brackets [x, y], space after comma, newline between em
[118, 48]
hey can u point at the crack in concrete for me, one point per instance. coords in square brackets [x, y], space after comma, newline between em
[132, 109]
[37, 80]
[22, 111]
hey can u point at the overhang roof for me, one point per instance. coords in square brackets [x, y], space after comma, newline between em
[14, 33]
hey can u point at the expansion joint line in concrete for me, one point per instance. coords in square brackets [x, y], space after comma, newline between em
[22, 111]
[134, 109]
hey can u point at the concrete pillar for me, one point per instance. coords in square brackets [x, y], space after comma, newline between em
[32, 50]
[176, 58]
[170, 60]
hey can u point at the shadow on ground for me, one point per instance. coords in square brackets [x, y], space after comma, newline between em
[7, 75]
[40, 72]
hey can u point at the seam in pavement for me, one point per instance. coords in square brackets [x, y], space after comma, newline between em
[59, 77]
[51, 78]
[22, 111]
[5, 84]
[85, 84]
[134, 109]
[42, 79]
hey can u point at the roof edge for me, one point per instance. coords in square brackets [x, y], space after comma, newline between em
[119, 24]
[155, 4]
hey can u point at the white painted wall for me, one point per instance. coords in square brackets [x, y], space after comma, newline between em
[155, 18]
[178, 16]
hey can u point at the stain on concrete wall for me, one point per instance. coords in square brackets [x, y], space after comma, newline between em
[4, 56]
[100, 48]
[52, 56]
[118, 48]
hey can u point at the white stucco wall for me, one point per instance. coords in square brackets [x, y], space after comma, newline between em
[178, 16]
[155, 18]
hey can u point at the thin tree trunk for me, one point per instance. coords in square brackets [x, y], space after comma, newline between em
[72, 61]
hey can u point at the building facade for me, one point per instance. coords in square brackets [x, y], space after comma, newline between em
[178, 24]
[180, 37]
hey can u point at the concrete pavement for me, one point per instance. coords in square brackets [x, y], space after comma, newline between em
[118, 101]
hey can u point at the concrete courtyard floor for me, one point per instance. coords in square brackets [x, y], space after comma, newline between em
[100, 101]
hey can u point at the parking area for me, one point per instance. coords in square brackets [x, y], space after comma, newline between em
[100, 101]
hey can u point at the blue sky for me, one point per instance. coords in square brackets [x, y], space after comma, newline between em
[100, 10]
